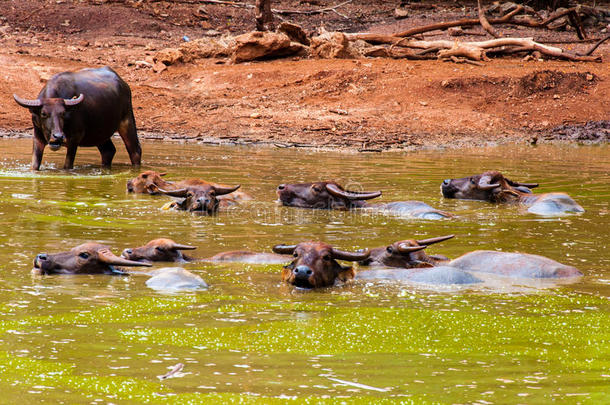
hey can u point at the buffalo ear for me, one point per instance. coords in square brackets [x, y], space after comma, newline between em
[347, 273]
[163, 174]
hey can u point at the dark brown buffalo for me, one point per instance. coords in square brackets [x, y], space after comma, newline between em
[492, 186]
[407, 253]
[158, 250]
[151, 181]
[323, 195]
[201, 199]
[330, 195]
[315, 264]
[88, 258]
[83, 108]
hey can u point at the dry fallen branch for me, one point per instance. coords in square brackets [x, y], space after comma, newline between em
[276, 11]
[484, 23]
[594, 47]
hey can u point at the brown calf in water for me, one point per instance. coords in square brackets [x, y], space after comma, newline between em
[158, 250]
[83, 108]
[407, 253]
[492, 186]
[88, 258]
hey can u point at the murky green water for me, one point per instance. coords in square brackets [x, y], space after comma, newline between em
[100, 339]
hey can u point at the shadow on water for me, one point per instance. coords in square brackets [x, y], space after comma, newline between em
[249, 337]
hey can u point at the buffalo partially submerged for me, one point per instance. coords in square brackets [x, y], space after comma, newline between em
[88, 258]
[158, 250]
[151, 182]
[330, 195]
[492, 186]
[406, 254]
[83, 108]
[201, 199]
[315, 264]
[513, 265]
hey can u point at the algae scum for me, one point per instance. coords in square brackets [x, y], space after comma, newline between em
[249, 338]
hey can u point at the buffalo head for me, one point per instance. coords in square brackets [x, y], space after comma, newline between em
[201, 198]
[158, 250]
[322, 195]
[315, 264]
[49, 115]
[147, 182]
[490, 186]
[406, 254]
[88, 258]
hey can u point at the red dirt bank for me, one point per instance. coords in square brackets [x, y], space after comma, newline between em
[365, 104]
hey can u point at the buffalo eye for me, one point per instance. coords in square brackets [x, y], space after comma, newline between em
[295, 254]
[189, 195]
[44, 115]
[144, 176]
[316, 188]
[389, 249]
[472, 180]
[159, 248]
[326, 257]
[83, 255]
[212, 193]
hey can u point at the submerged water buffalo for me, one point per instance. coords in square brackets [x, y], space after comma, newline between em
[151, 182]
[201, 198]
[88, 258]
[83, 108]
[492, 186]
[513, 265]
[407, 253]
[158, 250]
[315, 264]
[244, 256]
[330, 195]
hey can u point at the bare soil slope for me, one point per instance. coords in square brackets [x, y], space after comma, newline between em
[367, 104]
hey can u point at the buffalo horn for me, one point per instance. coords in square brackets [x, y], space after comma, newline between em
[284, 249]
[350, 256]
[432, 241]
[74, 101]
[174, 193]
[351, 195]
[484, 183]
[179, 246]
[27, 103]
[220, 190]
[516, 184]
[106, 256]
[404, 248]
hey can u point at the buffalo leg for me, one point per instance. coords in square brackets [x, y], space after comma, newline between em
[127, 130]
[107, 150]
[37, 150]
[70, 155]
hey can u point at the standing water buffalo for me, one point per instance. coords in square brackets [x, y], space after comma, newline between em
[406, 254]
[88, 258]
[158, 250]
[492, 186]
[83, 108]
[330, 195]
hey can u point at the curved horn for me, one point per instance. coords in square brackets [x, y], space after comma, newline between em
[174, 193]
[106, 256]
[485, 185]
[351, 195]
[27, 103]
[350, 256]
[432, 241]
[220, 190]
[179, 246]
[284, 249]
[517, 184]
[404, 248]
[74, 101]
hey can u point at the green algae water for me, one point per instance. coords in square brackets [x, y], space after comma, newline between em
[251, 339]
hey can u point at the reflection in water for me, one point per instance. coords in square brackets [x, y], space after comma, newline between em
[82, 338]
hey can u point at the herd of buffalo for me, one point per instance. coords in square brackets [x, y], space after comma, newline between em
[85, 108]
